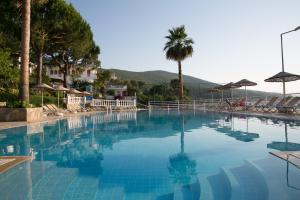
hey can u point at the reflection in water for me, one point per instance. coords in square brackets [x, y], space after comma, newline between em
[244, 136]
[284, 146]
[123, 155]
[183, 169]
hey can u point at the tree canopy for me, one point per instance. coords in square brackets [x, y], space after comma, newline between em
[178, 47]
[59, 36]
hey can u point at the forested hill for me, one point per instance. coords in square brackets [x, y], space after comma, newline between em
[195, 85]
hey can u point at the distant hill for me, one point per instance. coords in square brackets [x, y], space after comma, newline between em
[197, 87]
[158, 76]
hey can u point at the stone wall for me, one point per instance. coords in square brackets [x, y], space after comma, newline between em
[21, 114]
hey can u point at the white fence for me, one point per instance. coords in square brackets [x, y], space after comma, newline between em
[113, 103]
[172, 105]
[76, 100]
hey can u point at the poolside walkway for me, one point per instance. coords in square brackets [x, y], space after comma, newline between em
[265, 114]
[5, 125]
[7, 162]
[291, 157]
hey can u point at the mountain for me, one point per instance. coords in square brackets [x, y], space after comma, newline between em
[197, 87]
[158, 77]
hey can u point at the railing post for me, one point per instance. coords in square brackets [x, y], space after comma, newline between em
[178, 105]
[84, 101]
[194, 106]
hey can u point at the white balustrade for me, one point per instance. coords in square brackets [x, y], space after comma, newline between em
[76, 100]
[113, 103]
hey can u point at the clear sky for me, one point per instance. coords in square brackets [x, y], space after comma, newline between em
[234, 39]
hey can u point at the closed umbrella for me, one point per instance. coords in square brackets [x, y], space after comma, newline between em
[245, 82]
[60, 88]
[41, 87]
[283, 77]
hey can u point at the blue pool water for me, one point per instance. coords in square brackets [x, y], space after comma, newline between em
[156, 155]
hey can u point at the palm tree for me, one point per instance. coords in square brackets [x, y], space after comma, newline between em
[178, 48]
[24, 75]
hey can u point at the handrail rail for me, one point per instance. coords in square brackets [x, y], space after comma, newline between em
[113, 103]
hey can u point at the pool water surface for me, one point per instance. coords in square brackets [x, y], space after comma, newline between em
[152, 155]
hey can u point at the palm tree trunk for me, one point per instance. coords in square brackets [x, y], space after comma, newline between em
[182, 135]
[180, 86]
[39, 68]
[24, 75]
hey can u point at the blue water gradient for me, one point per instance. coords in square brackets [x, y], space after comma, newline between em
[152, 155]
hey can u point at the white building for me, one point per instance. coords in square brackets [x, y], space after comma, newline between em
[89, 74]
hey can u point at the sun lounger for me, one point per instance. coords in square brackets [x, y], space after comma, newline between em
[255, 106]
[289, 107]
[239, 104]
[53, 108]
[47, 110]
[269, 104]
[273, 108]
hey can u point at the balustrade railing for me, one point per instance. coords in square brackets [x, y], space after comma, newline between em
[76, 100]
[113, 103]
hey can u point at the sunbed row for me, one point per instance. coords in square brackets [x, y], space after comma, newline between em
[273, 105]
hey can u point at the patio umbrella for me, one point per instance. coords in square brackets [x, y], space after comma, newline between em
[41, 87]
[284, 146]
[85, 93]
[245, 82]
[230, 86]
[220, 90]
[283, 77]
[212, 90]
[74, 91]
[58, 89]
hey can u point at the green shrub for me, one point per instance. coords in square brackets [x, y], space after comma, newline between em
[18, 104]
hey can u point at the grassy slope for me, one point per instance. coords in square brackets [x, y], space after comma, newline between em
[195, 85]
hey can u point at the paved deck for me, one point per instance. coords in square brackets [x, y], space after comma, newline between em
[5, 125]
[282, 116]
[7, 162]
[292, 157]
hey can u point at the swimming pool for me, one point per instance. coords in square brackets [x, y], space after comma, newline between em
[152, 155]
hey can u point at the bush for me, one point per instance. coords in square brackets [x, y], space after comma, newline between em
[18, 104]
[37, 100]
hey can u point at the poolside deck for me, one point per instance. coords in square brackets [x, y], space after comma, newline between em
[291, 157]
[5, 125]
[7, 162]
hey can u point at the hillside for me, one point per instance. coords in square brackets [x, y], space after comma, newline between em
[197, 87]
[158, 76]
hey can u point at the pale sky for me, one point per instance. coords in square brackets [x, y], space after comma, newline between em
[234, 39]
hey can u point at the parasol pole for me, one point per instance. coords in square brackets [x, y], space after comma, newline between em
[42, 97]
[282, 64]
[245, 96]
[222, 95]
[57, 99]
